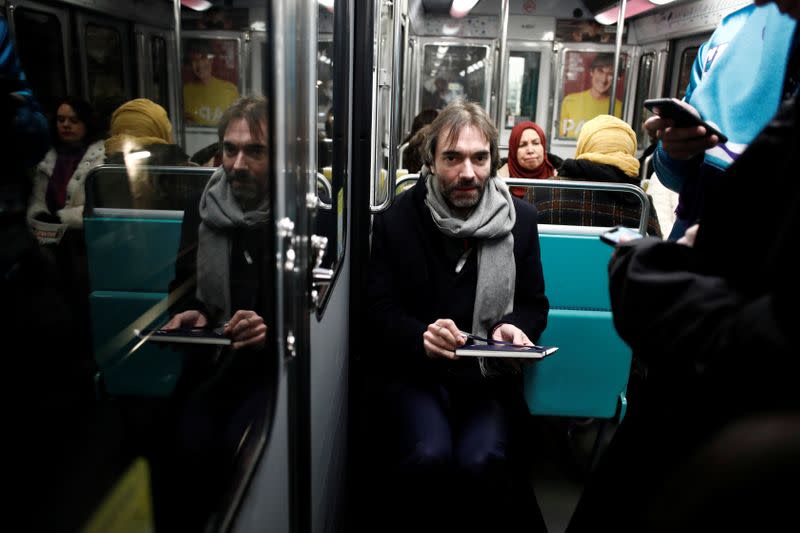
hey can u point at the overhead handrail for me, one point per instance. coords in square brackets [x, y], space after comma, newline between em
[326, 185]
[401, 155]
[620, 28]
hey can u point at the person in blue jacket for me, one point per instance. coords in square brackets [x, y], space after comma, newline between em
[737, 83]
[21, 112]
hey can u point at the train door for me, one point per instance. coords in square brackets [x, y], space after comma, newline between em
[683, 55]
[106, 61]
[447, 69]
[650, 68]
[44, 42]
[156, 67]
[525, 93]
[299, 482]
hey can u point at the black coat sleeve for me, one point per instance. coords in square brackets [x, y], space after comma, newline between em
[392, 326]
[682, 322]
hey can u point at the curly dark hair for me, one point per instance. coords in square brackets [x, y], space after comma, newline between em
[85, 113]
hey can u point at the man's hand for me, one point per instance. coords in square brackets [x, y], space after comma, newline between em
[187, 319]
[442, 338]
[679, 143]
[511, 333]
[689, 237]
[246, 329]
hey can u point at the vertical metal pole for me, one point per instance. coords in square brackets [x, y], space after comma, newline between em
[502, 67]
[620, 31]
[179, 124]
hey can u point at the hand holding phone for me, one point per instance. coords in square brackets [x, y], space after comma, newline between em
[619, 234]
[682, 114]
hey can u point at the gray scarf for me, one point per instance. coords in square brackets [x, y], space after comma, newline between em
[490, 222]
[220, 213]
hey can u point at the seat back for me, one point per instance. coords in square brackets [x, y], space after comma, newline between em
[131, 248]
[588, 376]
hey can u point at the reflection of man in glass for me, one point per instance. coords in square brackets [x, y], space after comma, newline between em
[439, 97]
[206, 97]
[577, 108]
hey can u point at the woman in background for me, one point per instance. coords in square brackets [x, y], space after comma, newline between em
[527, 156]
[606, 152]
[59, 184]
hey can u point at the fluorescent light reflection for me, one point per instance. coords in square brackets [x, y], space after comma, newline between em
[461, 8]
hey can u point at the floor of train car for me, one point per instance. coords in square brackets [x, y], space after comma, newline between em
[560, 467]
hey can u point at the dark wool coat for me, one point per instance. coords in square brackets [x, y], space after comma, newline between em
[716, 327]
[412, 282]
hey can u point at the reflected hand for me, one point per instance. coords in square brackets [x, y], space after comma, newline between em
[511, 333]
[689, 237]
[187, 319]
[442, 338]
[247, 330]
[680, 143]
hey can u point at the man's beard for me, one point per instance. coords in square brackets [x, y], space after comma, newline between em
[451, 196]
[248, 191]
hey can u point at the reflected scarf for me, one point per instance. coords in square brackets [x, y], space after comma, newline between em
[608, 140]
[515, 169]
[490, 223]
[220, 214]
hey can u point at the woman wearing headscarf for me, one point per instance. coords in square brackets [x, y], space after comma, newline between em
[606, 152]
[527, 156]
[142, 125]
[59, 185]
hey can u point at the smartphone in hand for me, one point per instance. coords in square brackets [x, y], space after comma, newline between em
[614, 235]
[682, 114]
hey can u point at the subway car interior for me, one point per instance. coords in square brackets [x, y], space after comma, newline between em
[124, 433]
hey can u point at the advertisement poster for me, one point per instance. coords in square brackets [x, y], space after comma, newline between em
[210, 77]
[586, 89]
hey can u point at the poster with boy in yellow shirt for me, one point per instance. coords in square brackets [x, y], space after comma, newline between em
[579, 106]
[207, 87]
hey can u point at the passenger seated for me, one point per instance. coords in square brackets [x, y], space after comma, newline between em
[220, 283]
[412, 157]
[527, 156]
[606, 152]
[59, 194]
[59, 184]
[141, 136]
[456, 253]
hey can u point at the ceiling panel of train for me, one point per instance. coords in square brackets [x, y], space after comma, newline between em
[552, 8]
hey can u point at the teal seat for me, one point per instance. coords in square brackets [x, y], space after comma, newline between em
[131, 254]
[588, 376]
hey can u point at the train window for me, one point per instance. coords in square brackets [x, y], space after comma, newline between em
[332, 151]
[105, 67]
[522, 87]
[451, 71]
[210, 78]
[640, 114]
[685, 70]
[586, 88]
[41, 54]
[160, 74]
